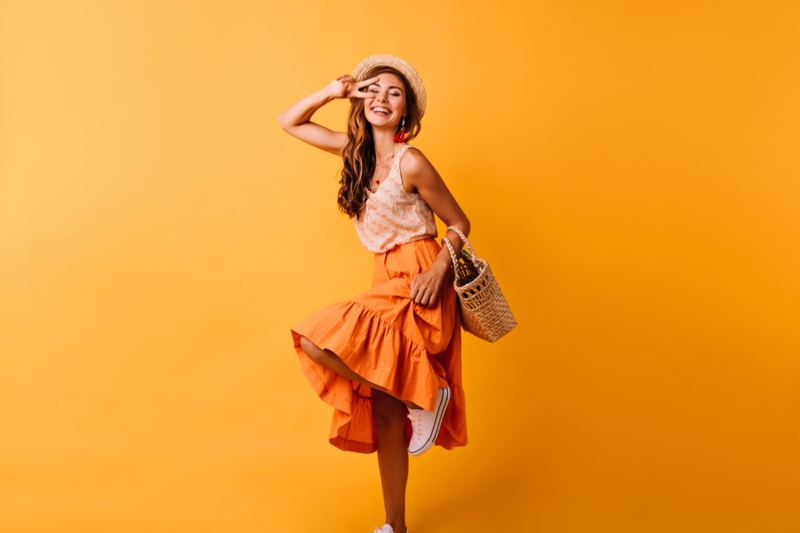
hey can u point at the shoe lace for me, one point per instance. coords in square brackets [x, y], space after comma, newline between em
[386, 528]
[416, 421]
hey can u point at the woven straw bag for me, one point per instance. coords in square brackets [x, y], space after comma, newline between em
[484, 310]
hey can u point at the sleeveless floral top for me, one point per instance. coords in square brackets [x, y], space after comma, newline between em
[393, 216]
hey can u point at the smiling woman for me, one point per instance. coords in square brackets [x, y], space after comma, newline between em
[390, 101]
[389, 360]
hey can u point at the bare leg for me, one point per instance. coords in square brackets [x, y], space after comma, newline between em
[389, 417]
[331, 361]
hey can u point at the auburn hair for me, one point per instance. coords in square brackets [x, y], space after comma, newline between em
[359, 151]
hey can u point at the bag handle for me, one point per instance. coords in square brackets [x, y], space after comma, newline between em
[473, 256]
[452, 253]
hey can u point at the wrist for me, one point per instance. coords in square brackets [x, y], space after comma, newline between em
[328, 95]
[442, 263]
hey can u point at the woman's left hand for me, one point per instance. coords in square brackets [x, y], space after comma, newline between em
[425, 286]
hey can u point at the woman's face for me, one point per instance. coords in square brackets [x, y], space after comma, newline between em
[387, 102]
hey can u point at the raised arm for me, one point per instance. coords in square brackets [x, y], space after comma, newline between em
[297, 119]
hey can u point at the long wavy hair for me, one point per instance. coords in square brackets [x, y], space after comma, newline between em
[359, 150]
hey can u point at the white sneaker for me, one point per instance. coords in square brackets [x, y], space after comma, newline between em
[425, 424]
[387, 529]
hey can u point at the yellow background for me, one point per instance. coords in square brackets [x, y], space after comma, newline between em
[630, 169]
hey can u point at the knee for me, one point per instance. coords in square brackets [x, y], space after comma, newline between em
[388, 419]
[312, 350]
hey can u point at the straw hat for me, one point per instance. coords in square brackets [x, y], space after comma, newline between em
[386, 60]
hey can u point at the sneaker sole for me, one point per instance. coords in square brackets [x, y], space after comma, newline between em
[437, 424]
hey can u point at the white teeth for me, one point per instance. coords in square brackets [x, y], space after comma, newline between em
[380, 110]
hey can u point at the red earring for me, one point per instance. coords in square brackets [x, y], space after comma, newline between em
[401, 135]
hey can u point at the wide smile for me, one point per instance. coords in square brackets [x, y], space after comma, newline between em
[380, 110]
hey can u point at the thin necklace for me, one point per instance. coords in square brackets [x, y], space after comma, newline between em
[383, 168]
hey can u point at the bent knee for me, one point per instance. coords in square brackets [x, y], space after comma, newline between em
[312, 350]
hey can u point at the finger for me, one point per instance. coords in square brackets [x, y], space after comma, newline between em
[423, 300]
[365, 83]
[419, 295]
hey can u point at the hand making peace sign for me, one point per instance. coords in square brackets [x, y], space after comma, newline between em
[346, 87]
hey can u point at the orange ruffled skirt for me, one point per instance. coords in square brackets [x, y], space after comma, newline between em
[389, 340]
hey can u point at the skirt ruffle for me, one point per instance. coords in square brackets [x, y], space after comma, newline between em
[389, 340]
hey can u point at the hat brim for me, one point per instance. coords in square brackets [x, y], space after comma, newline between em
[410, 73]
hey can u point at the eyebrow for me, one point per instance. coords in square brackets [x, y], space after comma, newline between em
[391, 86]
